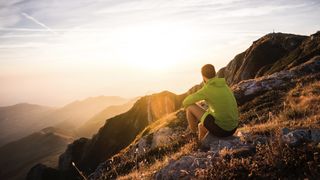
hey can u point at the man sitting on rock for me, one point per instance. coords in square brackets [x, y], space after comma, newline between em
[221, 118]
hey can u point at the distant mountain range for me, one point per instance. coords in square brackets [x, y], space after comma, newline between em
[21, 125]
[45, 146]
[20, 120]
[73, 115]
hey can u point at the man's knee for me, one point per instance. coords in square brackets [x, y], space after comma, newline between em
[200, 126]
[190, 108]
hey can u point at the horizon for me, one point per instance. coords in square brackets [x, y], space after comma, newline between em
[54, 53]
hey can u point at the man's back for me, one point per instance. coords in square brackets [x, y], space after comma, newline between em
[221, 101]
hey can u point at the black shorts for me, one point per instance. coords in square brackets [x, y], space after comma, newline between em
[213, 128]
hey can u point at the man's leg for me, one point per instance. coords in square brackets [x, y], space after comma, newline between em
[194, 114]
[202, 131]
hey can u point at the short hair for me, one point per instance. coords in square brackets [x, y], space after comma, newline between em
[208, 71]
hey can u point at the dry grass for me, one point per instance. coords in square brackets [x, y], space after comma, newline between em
[274, 160]
[146, 171]
[301, 110]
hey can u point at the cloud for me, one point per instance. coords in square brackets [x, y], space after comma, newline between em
[39, 23]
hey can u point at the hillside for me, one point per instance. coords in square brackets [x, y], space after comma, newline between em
[93, 124]
[45, 146]
[278, 135]
[87, 154]
[20, 120]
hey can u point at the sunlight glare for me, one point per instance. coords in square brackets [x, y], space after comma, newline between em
[155, 47]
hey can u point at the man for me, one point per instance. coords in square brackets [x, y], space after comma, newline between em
[221, 118]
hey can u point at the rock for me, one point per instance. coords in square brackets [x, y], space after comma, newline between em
[296, 137]
[248, 89]
[241, 152]
[215, 144]
[285, 131]
[250, 138]
[162, 136]
[184, 168]
[187, 166]
[315, 135]
[42, 172]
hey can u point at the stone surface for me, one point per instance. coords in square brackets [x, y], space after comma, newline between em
[298, 136]
[187, 166]
[215, 144]
[247, 89]
[162, 137]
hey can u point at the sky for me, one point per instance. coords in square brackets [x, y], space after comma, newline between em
[53, 52]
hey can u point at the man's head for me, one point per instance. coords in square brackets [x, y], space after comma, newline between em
[208, 72]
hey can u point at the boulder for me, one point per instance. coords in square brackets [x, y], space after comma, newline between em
[162, 137]
[215, 144]
[299, 136]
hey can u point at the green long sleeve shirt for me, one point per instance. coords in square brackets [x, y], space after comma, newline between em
[221, 101]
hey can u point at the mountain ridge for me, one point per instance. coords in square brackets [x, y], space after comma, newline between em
[269, 54]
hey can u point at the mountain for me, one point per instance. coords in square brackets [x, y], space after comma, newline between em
[271, 53]
[20, 120]
[93, 124]
[73, 115]
[23, 119]
[45, 146]
[276, 84]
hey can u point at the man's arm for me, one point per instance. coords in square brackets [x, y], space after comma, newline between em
[193, 98]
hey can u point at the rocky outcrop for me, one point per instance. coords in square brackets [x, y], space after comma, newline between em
[246, 90]
[272, 53]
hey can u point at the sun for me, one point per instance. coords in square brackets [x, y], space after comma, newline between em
[155, 47]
